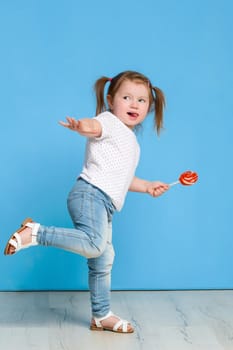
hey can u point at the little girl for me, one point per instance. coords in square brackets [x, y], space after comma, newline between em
[112, 155]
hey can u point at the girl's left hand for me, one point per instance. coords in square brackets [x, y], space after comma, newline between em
[157, 188]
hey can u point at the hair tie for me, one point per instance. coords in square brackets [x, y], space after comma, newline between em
[110, 79]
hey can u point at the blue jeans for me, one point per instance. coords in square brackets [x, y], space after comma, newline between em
[91, 211]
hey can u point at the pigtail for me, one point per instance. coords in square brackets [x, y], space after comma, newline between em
[99, 90]
[159, 104]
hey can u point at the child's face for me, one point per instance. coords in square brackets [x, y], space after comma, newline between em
[130, 103]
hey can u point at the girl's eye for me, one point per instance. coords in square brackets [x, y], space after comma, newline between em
[141, 100]
[127, 98]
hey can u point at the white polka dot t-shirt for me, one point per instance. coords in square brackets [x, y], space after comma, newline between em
[111, 159]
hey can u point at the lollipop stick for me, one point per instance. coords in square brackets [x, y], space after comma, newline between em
[174, 183]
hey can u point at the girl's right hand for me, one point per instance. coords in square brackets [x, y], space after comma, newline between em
[71, 124]
[86, 127]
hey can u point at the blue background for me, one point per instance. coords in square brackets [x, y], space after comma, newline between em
[51, 54]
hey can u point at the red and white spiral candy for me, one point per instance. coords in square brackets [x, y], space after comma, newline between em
[187, 178]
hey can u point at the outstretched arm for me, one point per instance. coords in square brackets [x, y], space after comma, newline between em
[154, 188]
[85, 127]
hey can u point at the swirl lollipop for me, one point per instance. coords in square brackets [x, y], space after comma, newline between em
[187, 178]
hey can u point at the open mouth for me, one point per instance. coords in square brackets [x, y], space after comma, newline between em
[133, 114]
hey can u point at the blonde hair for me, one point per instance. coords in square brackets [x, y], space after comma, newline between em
[156, 96]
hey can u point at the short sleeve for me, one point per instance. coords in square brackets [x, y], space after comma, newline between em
[105, 121]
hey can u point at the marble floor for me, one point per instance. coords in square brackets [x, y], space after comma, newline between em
[163, 320]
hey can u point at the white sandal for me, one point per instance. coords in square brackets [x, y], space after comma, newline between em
[16, 241]
[123, 324]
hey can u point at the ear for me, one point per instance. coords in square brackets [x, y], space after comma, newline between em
[110, 101]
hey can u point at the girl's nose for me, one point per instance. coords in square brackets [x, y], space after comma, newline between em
[134, 103]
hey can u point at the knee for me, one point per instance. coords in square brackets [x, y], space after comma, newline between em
[94, 254]
[103, 259]
[96, 251]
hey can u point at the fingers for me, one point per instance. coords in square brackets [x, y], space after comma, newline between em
[157, 189]
[160, 184]
[71, 123]
[66, 125]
